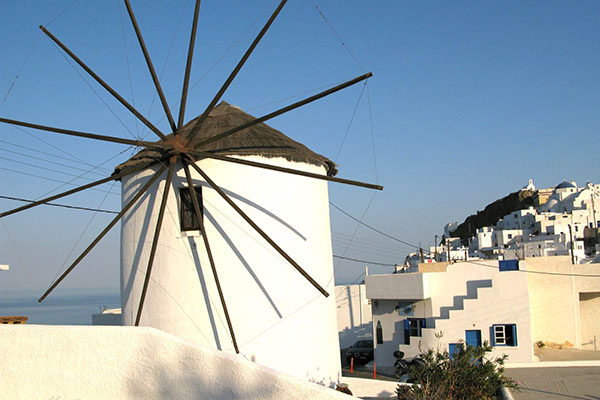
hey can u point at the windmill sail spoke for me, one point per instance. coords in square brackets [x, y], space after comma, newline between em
[105, 231]
[159, 221]
[211, 260]
[84, 134]
[161, 95]
[283, 110]
[237, 69]
[72, 191]
[188, 66]
[286, 170]
[104, 84]
[258, 229]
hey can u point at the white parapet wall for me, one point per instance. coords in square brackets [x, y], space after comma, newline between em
[103, 362]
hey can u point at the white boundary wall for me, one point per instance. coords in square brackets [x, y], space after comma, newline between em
[83, 362]
[354, 317]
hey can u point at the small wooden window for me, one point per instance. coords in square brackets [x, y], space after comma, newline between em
[504, 335]
[189, 219]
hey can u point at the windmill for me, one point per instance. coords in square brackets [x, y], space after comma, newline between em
[224, 158]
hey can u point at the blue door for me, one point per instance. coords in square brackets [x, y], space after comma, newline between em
[473, 338]
[453, 348]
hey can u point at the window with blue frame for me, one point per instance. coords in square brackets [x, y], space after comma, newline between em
[413, 327]
[504, 335]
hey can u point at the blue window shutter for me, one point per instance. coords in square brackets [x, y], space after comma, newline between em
[514, 332]
[508, 265]
[406, 331]
[493, 335]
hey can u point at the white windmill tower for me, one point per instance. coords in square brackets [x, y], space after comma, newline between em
[243, 262]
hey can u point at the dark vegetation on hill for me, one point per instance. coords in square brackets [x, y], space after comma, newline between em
[493, 212]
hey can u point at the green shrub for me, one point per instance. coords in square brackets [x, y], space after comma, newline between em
[466, 376]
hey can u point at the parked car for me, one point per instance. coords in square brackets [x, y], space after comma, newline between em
[361, 351]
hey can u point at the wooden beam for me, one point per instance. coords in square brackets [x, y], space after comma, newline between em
[285, 170]
[257, 228]
[282, 110]
[104, 232]
[188, 66]
[72, 191]
[211, 260]
[104, 84]
[161, 95]
[161, 214]
[105, 138]
[237, 68]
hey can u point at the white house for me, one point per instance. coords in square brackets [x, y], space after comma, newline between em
[280, 320]
[466, 302]
[507, 303]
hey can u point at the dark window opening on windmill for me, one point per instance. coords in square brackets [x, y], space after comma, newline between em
[189, 220]
[379, 333]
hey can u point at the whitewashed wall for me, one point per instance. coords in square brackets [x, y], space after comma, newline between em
[84, 362]
[354, 317]
[495, 298]
[280, 319]
[556, 306]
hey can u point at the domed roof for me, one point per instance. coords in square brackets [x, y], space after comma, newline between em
[259, 139]
[565, 185]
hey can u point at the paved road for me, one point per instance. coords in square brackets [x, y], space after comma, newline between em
[556, 383]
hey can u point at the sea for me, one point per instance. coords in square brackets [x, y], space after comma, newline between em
[64, 307]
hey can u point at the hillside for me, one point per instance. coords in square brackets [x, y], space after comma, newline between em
[493, 212]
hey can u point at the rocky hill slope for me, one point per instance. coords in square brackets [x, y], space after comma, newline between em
[493, 212]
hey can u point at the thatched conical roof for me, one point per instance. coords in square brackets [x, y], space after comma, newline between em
[259, 139]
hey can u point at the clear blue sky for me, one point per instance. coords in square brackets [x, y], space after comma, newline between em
[468, 101]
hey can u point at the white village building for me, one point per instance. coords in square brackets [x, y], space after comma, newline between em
[560, 225]
[501, 302]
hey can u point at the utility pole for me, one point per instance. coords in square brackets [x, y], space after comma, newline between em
[594, 215]
[572, 254]
[448, 250]
[422, 256]
[436, 247]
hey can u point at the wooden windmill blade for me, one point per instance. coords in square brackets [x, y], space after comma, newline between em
[292, 171]
[188, 66]
[104, 232]
[95, 136]
[277, 112]
[113, 177]
[235, 71]
[258, 229]
[161, 214]
[157, 85]
[104, 84]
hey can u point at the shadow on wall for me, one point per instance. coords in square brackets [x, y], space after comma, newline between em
[180, 374]
[245, 263]
[349, 336]
[233, 195]
[459, 301]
